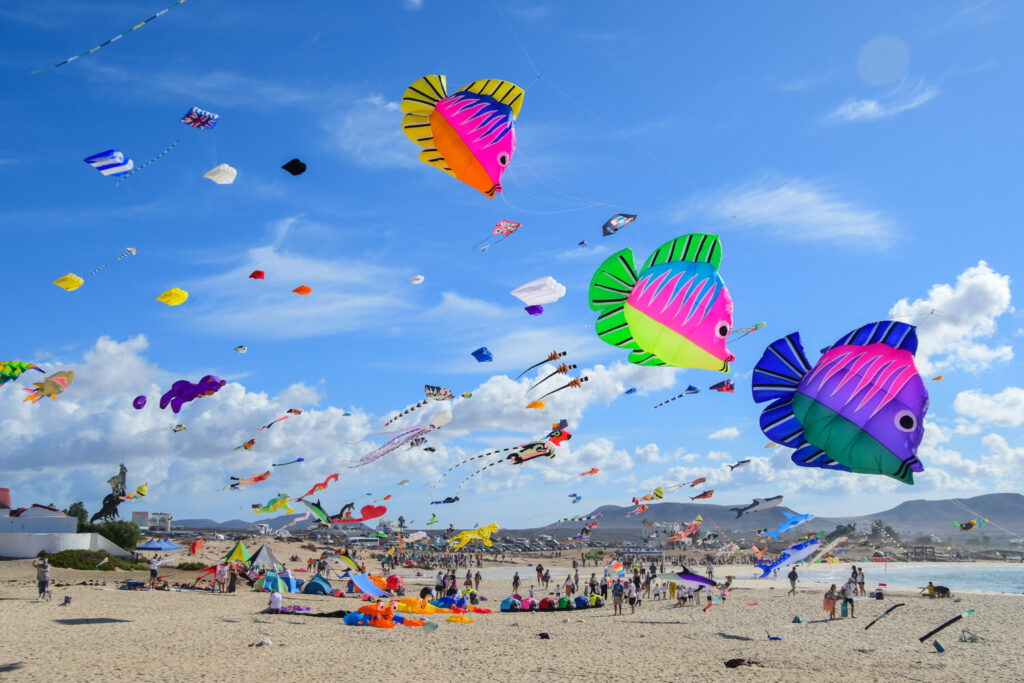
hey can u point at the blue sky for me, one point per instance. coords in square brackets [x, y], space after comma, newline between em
[859, 162]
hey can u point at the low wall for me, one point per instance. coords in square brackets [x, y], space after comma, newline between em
[28, 545]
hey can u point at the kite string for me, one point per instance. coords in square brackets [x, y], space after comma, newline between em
[987, 521]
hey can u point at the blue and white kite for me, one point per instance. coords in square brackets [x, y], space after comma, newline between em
[112, 162]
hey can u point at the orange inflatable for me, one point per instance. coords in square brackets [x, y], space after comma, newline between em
[382, 615]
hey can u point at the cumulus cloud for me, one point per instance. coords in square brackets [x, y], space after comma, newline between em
[792, 209]
[368, 132]
[953, 318]
[1005, 409]
[725, 433]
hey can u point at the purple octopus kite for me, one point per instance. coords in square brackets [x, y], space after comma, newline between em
[184, 391]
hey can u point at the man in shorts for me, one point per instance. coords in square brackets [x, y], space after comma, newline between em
[43, 578]
[617, 592]
[848, 591]
[154, 565]
[631, 594]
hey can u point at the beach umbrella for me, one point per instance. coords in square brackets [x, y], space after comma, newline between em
[157, 544]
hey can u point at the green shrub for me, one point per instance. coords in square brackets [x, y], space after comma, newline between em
[191, 565]
[122, 534]
[88, 559]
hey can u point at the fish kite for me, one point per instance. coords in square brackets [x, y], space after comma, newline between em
[970, 524]
[616, 223]
[246, 481]
[791, 522]
[446, 501]
[119, 36]
[432, 394]
[689, 391]
[247, 445]
[676, 311]
[469, 135]
[278, 502]
[790, 555]
[861, 408]
[183, 391]
[290, 462]
[317, 510]
[737, 465]
[289, 413]
[11, 370]
[503, 229]
[758, 505]
[725, 386]
[639, 510]
[483, 534]
[483, 355]
[51, 386]
[592, 470]
[703, 494]
[544, 290]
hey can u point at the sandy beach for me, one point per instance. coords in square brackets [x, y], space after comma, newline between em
[159, 636]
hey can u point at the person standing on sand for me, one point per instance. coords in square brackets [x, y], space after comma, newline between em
[860, 582]
[222, 577]
[232, 580]
[540, 573]
[848, 592]
[830, 602]
[477, 579]
[469, 579]
[43, 578]
[617, 592]
[515, 583]
[793, 576]
[604, 587]
[547, 577]
[154, 565]
[631, 596]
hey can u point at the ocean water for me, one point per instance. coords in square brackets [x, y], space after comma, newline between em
[964, 576]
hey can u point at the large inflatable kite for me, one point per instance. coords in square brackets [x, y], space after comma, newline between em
[791, 555]
[677, 311]
[439, 420]
[51, 386]
[11, 370]
[183, 391]
[278, 502]
[483, 534]
[246, 481]
[758, 505]
[469, 135]
[860, 409]
[535, 293]
[792, 521]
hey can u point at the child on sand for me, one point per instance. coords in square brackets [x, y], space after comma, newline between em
[43, 579]
[830, 602]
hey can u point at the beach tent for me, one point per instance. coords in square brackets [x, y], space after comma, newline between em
[318, 585]
[162, 545]
[271, 582]
[366, 585]
[264, 557]
[238, 553]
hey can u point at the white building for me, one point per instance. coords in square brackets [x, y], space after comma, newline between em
[24, 532]
[158, 522]
[141, 519]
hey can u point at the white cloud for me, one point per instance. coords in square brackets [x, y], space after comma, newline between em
[369, 133]
[901, 99]
[792, 209]
[413, 5]
[725, 433]
[1005, 409]
[649, 453]
[953, 317]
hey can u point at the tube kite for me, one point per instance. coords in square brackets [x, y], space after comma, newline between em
[469, 135]
[290, 412]
[11, 370]
[861, 408]
[246, 481]
[948, 623]
[885, 613]
[290, 462]
[676, 311]
[319, 486]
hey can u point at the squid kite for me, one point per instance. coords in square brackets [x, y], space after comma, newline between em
[51, 386]
[183, 391]
[483, 534]
[432, 394]
[404, 437]
[741, 332]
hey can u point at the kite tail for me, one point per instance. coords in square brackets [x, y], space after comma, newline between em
[575, 383]
[130, 252]
[33, 394]
[139, 168]
[553, 356]
[407, 411]
[475, 457]
[485, 467]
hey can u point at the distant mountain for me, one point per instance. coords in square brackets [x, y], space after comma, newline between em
[937, 516]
